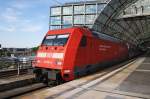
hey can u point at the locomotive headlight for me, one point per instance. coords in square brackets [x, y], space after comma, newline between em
[34, 62]
[38, 61]
[67, 71]
[58, 63]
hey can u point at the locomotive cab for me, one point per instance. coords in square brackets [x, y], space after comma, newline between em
[50, 56]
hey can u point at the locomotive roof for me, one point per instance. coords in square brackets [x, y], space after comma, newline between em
[70, 30]
[105, 36]
[86, 31]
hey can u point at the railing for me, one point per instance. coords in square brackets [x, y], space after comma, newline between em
[7, 64]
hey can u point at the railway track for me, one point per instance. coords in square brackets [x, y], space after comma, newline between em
[14, 72]
[35, 86]
[14, 92]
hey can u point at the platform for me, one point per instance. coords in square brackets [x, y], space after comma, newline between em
[131, 81]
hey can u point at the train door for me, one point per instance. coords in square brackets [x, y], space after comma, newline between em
[90, 51]
[81, 57]
[83, 50]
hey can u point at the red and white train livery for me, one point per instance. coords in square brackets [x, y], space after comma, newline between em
[68, 53]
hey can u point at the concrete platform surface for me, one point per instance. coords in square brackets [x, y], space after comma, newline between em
[131, 81]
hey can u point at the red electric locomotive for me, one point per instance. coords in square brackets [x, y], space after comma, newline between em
[68, 53]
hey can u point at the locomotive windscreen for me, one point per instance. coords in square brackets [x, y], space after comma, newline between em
[56, 40]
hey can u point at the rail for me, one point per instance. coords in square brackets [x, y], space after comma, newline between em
[18, 91]
[10, 73]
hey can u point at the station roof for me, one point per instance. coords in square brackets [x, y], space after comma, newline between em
[81, 3]
[134, 29]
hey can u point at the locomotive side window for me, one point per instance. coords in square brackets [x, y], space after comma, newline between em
[83, 42]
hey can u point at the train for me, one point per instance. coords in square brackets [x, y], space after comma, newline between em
[66, 54]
